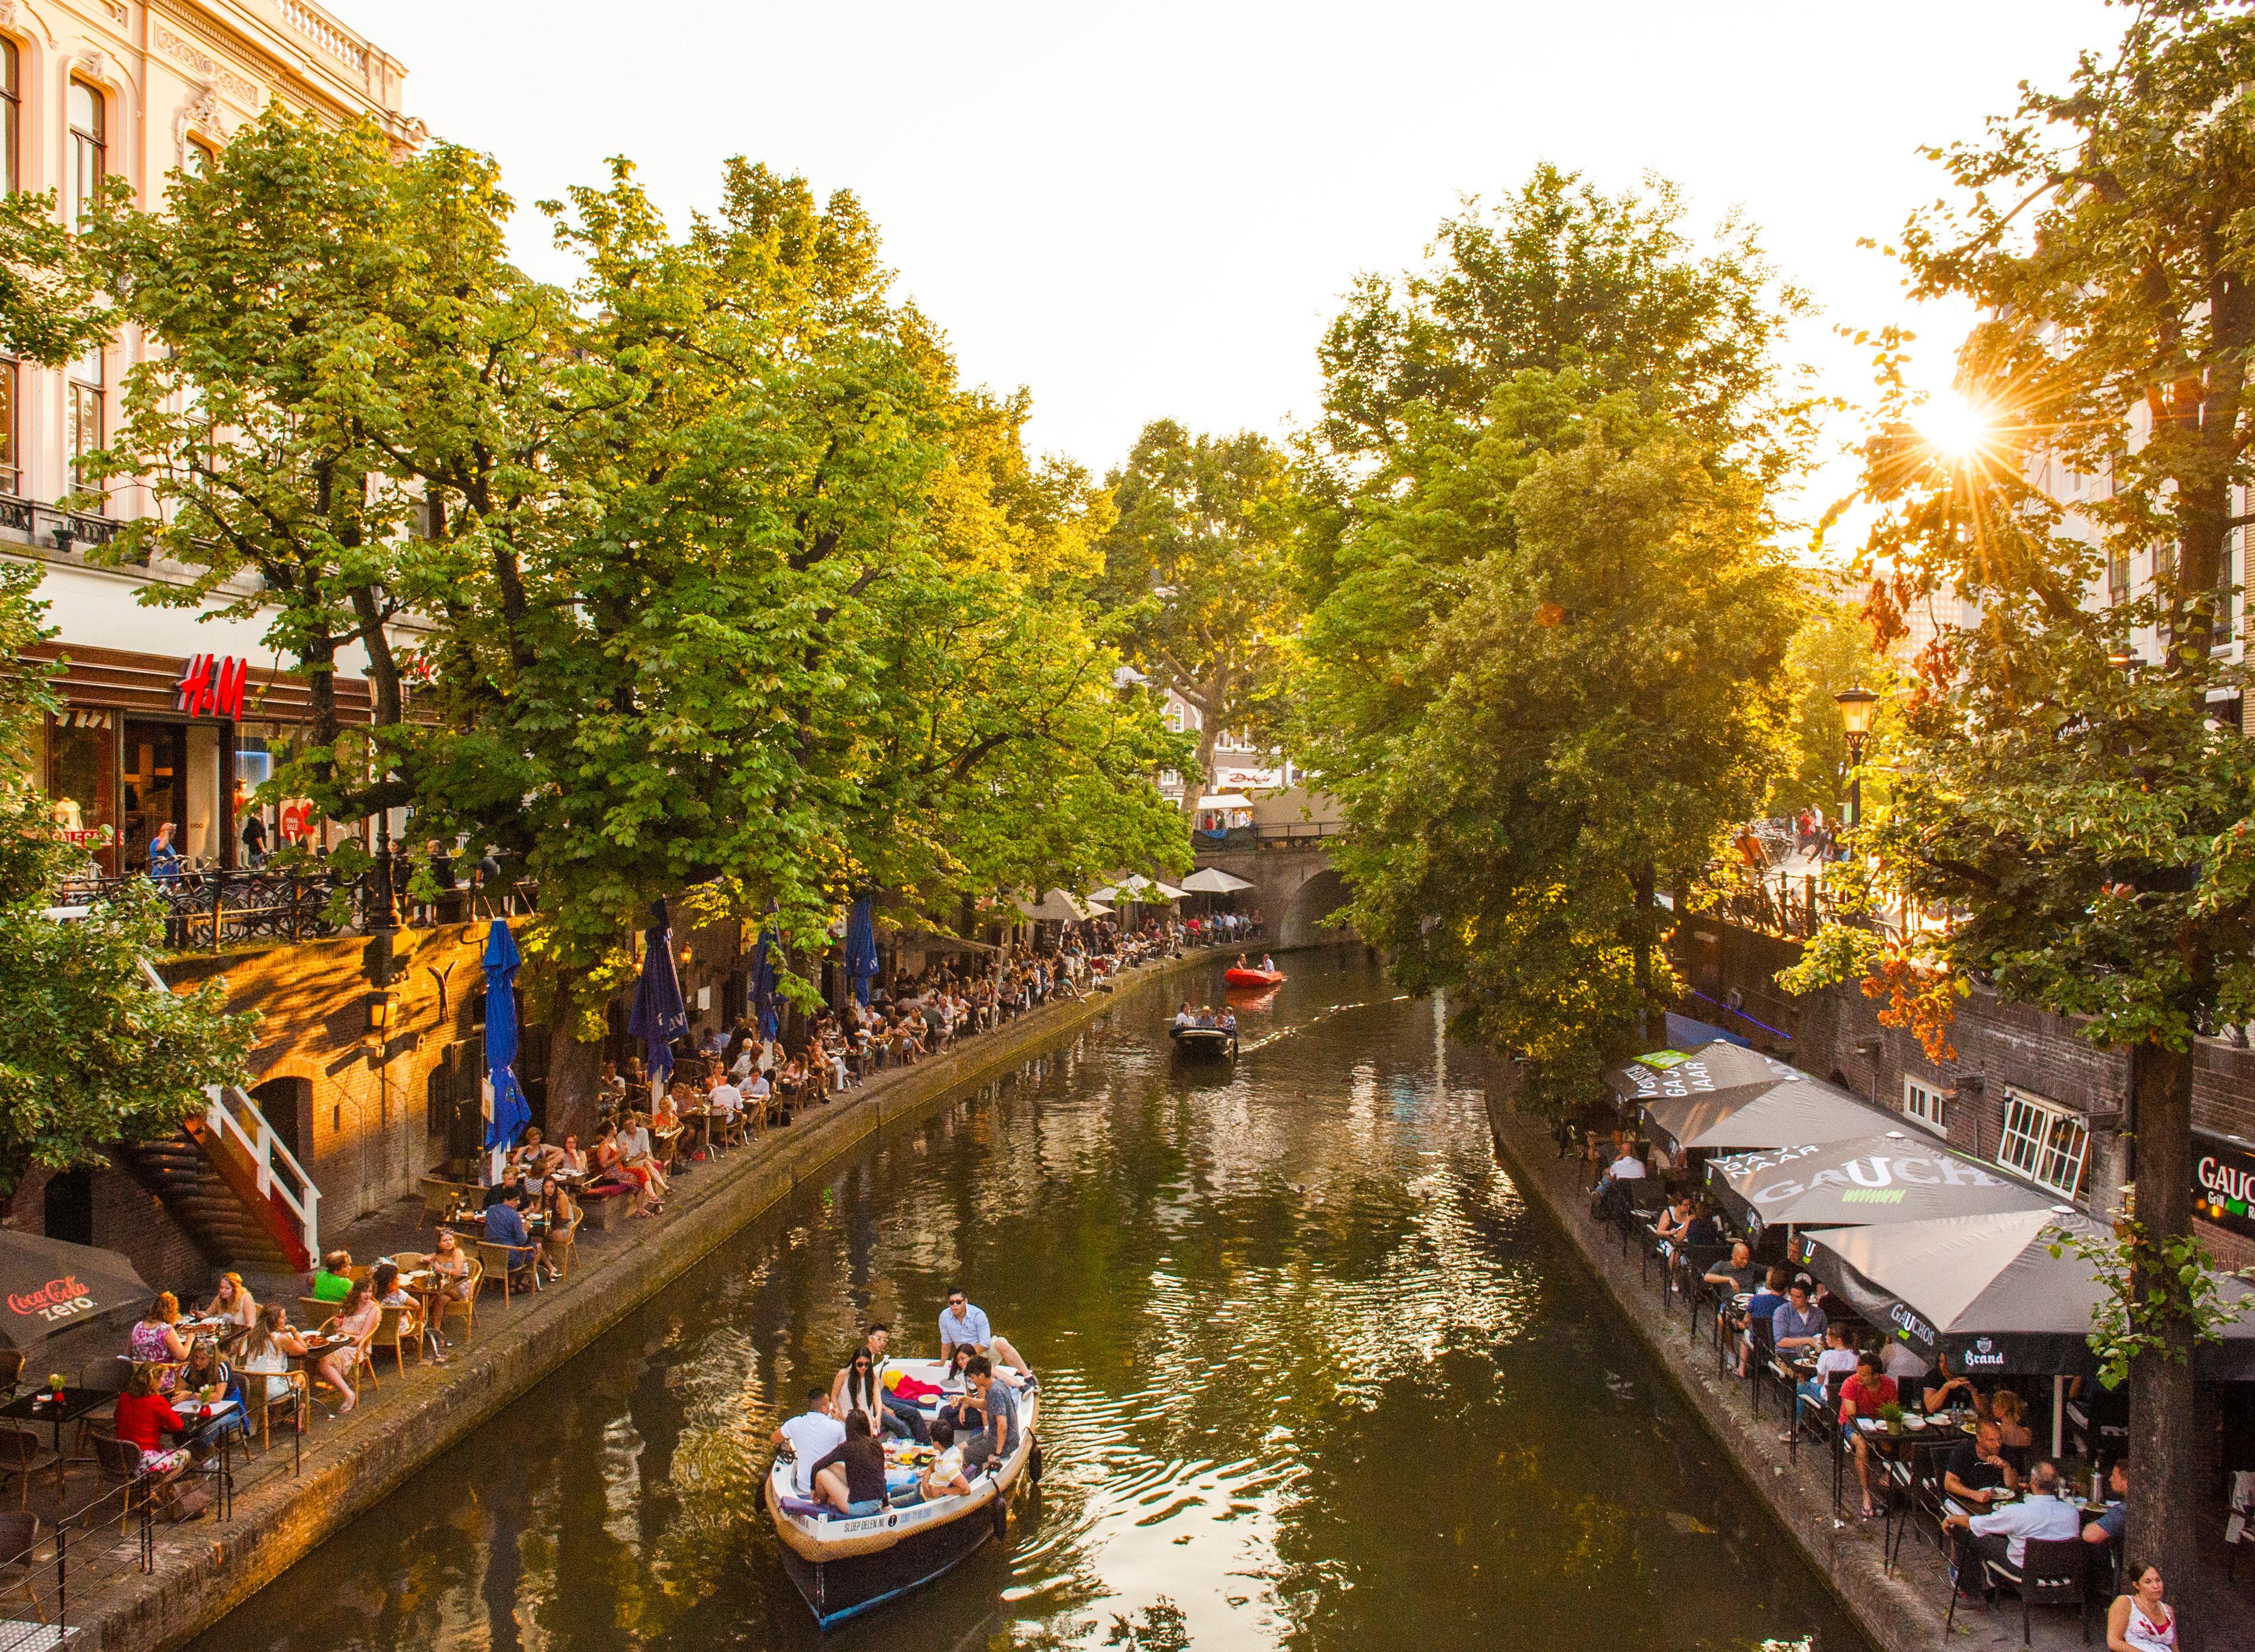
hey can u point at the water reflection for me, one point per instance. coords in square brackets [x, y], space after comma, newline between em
[1313, 1376]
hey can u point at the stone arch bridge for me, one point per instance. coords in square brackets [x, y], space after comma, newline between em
[1293, 883]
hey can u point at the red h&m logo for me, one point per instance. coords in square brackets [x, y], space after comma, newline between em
[211, 686]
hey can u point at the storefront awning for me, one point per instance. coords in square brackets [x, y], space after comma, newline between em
[149, 685]
[1864, 1181]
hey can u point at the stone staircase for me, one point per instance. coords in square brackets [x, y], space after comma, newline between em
[236, 1189]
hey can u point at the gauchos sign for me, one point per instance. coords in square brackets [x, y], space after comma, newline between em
[2223, 1184]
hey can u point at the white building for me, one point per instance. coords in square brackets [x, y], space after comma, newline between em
[1241, 768]
[171, 716]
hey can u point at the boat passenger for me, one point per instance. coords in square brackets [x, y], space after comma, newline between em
[994, 1443]
[1267, 963]
[960, 1323]
[851, 1477]
[814, 1434]
[902, 1415]
[945, 1477]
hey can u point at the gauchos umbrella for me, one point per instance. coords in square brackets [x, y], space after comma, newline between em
[1864, 1181]
[1786, 1115]
[1710, 1069]
[51, 1286]
[1987, 1292]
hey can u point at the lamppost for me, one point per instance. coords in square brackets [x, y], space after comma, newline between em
[1856, 706]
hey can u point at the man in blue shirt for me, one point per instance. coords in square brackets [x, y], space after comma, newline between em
[963, 1324]
[1764, 1305]
[1797, 1325]
[163, 859]
[505, 1226]
[2108, 1527]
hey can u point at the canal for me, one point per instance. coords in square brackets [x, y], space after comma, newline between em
[1314, 1375]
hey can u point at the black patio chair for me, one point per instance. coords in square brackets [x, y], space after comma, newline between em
[2052, 1575]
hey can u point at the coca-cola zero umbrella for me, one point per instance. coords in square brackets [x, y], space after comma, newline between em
[51, 1286]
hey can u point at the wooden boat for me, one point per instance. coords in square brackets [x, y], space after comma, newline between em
[1238, 977]
[846, 1567]
[1218, 1041]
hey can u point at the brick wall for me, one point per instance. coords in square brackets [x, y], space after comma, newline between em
[127, 1219]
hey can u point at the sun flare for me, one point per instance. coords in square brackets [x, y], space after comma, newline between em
[1955, 426]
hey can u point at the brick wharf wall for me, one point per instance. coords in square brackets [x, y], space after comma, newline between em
[1836, 1034]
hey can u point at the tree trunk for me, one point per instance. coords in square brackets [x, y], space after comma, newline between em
[2166, 1481]
[1642, 941]
[573, 1069]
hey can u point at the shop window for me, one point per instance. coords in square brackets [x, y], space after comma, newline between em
[82, 780]
[90, 150]
[1922, 1101]
[154, 764]
[2045, 1143]
[82, 412]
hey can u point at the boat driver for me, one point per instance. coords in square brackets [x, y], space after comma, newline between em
[812, 1435]
[1183, 1017]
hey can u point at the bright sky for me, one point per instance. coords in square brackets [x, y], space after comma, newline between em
[1151, 210]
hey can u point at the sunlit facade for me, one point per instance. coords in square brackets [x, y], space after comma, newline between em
[171, 715]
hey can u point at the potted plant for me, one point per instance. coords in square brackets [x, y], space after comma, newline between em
[1892, 1415]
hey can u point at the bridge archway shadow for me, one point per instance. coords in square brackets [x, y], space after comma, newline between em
[1314, 900]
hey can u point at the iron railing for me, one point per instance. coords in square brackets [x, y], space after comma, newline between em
[209, 907]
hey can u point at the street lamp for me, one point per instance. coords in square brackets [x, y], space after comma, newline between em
[1856, 706]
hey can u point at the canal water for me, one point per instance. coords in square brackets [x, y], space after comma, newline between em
[1314, 1375]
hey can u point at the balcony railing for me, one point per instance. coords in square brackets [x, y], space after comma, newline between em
[210, 908]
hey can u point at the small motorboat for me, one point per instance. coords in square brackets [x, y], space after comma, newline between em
[1218, 1042]
[846, 1567]
[1237, 976]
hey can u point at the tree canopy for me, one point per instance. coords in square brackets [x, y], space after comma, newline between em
[1542, 668]
[702, 573]
[1198, 568]
[2062, 783]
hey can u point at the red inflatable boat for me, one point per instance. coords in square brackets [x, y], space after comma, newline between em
[1252, 978]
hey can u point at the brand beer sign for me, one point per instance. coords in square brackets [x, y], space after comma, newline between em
[211, 686]
[2223, 1184]
[55, 1301]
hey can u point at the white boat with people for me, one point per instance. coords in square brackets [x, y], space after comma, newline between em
[955, 1441]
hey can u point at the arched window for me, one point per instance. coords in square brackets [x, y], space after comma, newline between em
[11, 115]
[90, 147]
[199, 158]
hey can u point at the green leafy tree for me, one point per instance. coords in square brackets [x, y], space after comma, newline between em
[1832, 651]
[1541, 665]
[1199, 567]
[2059, 782]
[1607, 698]
[92, 1051]
[703, 575]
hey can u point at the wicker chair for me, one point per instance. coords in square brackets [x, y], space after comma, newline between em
[23, 1456]
[288, 1389]
[318, 1312]
[562, 1249]
[19, 1540]
[494, 1260]
[465, 1304]
[398, 1329]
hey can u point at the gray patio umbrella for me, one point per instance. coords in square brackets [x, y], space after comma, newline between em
[1717, 1069]
[1787, 1114]
[1863, 1182]
[1987, 1292]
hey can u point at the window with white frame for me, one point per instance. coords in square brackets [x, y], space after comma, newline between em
[90, 150]
[82, 412]
[1922, 1101]
[2045, 1143]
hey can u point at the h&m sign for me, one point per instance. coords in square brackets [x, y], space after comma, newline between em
[211, 686]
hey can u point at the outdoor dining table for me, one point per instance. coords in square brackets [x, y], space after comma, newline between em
[205, 1414]
[57, 1407]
